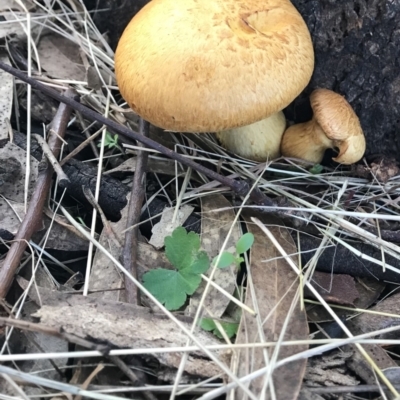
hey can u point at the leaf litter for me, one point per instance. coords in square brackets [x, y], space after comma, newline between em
[362, 208]
[272, 290]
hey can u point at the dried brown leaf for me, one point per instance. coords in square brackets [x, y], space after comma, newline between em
[365, 323]
[372, 322]
[11, 24]
[168, 224]
[274, 289]
[334, 288]
[358, 364]
[61, 58]
[217, 219]
[104, 275]
[368, 289]
[14, 189]
[59, 237]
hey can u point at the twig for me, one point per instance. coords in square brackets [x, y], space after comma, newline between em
[239, 187]
[62, 176]
[79, 148]
[58, 333]
[130, 253]
[345, 389]
[131, 375]
[107, 228]
[88, 135]
[34, 213]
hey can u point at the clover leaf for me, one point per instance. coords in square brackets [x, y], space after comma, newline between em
[171, 287]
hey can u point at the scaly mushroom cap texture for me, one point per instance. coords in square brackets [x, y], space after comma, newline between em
[340, 124]
[213, 65]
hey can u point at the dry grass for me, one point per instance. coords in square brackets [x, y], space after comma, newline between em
[342, 216]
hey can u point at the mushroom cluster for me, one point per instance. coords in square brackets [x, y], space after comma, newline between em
[230, 67]
[216, 66]
[334, 125]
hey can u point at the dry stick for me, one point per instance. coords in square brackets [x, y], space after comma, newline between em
[130, 253]
[239, 187]
[34, 214]
[62, 176]
[79, 148]
[131, 375]
[346, 389]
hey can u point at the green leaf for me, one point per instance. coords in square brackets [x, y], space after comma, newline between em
[244, 243]
[182, 250]
[316, 169]
[226, 259]
[209, 325]
[239, 260]
[170, 287]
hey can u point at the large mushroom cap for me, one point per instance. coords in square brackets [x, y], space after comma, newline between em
[340, 124]
[212, 65]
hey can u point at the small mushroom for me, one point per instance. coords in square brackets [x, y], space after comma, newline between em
[214, 65]
[334, 125]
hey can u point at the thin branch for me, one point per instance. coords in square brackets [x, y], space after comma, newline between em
[34, 213]
[62, 176]
[239, 187]
[130, 253]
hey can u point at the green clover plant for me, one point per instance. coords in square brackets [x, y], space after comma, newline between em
[172, 286]
[227, 258]
[110, 141]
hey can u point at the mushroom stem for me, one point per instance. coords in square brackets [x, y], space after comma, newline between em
[259, 141]
[306, 141]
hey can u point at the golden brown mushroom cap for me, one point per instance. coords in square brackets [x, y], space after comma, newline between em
[340, 124]
[212, 65]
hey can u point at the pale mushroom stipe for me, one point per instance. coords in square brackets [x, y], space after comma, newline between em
[212, 66]
[334, 125]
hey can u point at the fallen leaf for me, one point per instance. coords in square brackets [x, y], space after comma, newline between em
[358, 364]
[59, 237]
[393, 374]
[60, 58]
[166, 226]
[334, 288]
[105, 276]
[14, 190]
[368, 289]
[11, 23]
[367, 322]
[274, 287]
[217, 219]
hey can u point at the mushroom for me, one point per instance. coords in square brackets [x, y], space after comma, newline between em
[259, 141]
[213, 65]
[334, 125]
